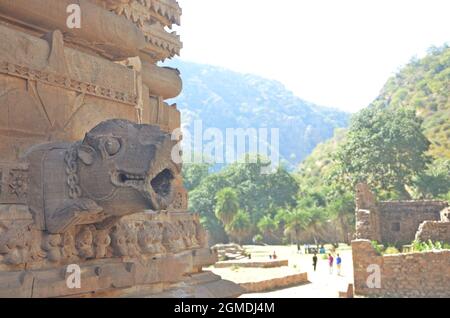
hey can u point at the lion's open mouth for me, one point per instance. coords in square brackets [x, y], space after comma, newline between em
[162, 183]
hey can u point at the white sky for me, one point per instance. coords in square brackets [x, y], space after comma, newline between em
[336, 53]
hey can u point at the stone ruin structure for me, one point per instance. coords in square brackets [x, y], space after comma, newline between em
[86, 170]
[414, 274]
[398, 222]
[230, 251]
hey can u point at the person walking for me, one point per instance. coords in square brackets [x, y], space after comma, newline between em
[330, 263]
[338, 264]
[315, 261]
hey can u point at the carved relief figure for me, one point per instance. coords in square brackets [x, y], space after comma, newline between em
[84, 243]
[69, 251]
[101, 242]
[52, 245]
[150, 238]
[119, 242]
[15, 243]
[172, 237]
[132, 241]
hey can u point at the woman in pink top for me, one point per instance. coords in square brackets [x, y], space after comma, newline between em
[330, 263]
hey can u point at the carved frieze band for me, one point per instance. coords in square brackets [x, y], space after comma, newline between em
[84, 242]
[62, 81]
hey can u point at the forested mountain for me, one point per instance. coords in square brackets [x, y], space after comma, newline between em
[225, 99]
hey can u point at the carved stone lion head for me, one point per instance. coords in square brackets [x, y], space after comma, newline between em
[127, 166]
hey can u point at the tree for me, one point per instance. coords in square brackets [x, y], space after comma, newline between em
[268, 226]
[295, 221]
[240, 226]
[227, 205]
[314, 219]
[386, 148]
[194, 174]
[435, 181]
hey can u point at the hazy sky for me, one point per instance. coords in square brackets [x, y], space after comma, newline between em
[336, 53]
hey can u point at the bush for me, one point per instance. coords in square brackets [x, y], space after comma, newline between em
[391, 250]
[419, 246]
[379, 248]
[258, 239]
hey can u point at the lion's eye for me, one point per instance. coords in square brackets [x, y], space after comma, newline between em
[112, 146]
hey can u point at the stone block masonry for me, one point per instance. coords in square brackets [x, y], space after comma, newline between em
[425, 274]
[400, 220]
[434, 231]
[394, 222]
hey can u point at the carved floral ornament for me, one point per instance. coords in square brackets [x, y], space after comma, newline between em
[14, 182]
[151, 16]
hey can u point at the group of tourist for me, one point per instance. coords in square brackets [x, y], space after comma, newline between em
[331, 261]
[273, 256]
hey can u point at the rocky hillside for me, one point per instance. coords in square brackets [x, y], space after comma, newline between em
[225, 99]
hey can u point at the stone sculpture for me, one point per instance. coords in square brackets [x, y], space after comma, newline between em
[116, 170]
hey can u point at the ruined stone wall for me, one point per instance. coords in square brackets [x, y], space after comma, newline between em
[424, 274]
[434, 231]
[367, 214]
[364, 226]
[399, 221]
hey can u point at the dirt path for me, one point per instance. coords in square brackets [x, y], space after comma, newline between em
[323, 284]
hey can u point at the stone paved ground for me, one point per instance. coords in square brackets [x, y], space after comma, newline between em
[323, 285]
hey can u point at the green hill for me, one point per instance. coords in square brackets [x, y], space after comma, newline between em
[423, 83]
[318, 166]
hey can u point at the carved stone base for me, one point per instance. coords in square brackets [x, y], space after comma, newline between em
[143, 255]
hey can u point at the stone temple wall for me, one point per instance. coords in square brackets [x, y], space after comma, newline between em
[393, 222]
[399, 221]
[418, 274]
[89, 174]
[424, 274]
